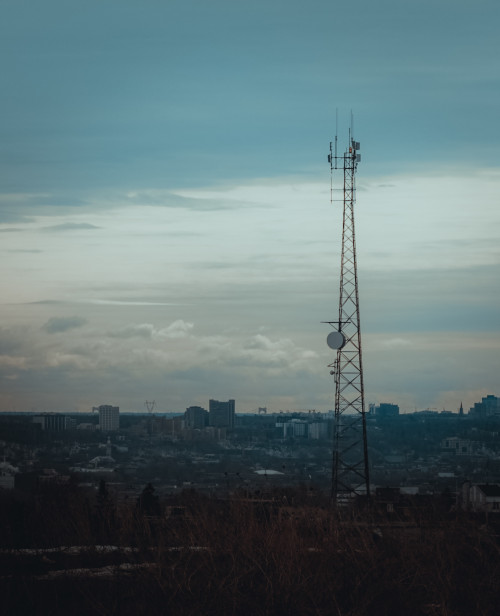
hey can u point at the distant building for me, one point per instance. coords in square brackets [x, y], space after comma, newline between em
[109, 418]
[172, 426]
[458, 446]
[215, 434]
[86, 426]
[7, 475]
[295, 428]
[221, 414]
[490, 405]
[384, 409]
[54, 422]
[196, 417]
[318, 430]
[481, 497]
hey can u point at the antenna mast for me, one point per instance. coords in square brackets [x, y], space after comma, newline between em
[350, 470]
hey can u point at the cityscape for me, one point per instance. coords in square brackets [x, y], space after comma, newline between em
[219, 452]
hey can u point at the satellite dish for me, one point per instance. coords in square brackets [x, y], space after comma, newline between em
[335, 340]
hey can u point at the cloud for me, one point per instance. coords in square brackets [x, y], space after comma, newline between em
[119, 302]
[11, 341]
[49, 302]
[27, 250]
[28, 207]
[177, 329]
[434, 299]
[284, 353]
[71, 226]
[8, 363]
[143, 330]
[396, 343]
[24, 207]
[57, 325]
[189, 199]
[141, 347]
[9, 217]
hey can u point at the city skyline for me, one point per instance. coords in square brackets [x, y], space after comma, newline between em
[165, 219]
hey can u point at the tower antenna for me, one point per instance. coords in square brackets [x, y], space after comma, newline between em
[350, 469]
[332, 157]
[336, 133]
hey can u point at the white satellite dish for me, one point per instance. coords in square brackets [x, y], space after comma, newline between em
[335, 340]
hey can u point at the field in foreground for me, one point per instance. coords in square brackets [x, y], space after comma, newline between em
[63, 553]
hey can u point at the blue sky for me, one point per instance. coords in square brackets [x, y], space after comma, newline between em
[165, 221]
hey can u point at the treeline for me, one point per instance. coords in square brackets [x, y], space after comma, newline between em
[198, 555]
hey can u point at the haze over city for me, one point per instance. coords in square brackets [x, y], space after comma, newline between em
[165, 218]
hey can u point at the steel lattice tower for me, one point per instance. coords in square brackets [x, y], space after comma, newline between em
[350, 471]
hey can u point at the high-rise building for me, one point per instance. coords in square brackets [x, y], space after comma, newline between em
[490, 405]
[221, 414]
[196, 417]
[384, 409]
[109, 417]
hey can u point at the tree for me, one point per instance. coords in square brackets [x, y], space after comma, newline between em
[148, 502]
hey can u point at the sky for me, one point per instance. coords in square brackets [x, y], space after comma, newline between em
[166, 231]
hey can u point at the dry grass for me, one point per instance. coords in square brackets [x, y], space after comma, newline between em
[241, 558]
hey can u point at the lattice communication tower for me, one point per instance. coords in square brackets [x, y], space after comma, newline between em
[350, 470]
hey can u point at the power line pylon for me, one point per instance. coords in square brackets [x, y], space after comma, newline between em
[350, 469]
[150, 405]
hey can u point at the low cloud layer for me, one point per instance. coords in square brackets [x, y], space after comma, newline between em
[70, 226]
[147, 357]
[57, 325]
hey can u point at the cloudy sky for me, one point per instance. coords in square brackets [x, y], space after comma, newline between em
[166, 231]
